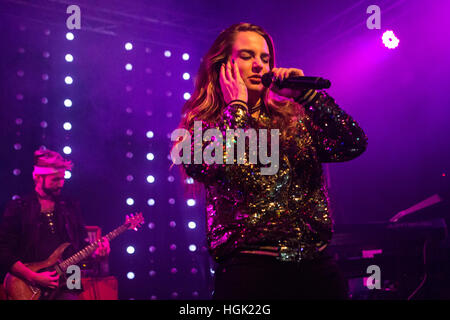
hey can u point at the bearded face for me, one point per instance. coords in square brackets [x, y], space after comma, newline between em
[51, 184]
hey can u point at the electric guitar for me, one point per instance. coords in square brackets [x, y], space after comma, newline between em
[17, 288]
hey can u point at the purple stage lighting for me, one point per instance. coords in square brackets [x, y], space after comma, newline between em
[69, 57]
[68, 103]
[390, 40]
[67, 126]
[128, 46]
[192, 225]
[68, 80]
[70, 36]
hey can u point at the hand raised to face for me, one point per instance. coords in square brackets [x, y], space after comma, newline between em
[284, 73]
[231, 83]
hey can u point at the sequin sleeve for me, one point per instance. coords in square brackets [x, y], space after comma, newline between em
[233, 116]
[336, 135]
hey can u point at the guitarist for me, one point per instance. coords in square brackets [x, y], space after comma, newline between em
[34, 226]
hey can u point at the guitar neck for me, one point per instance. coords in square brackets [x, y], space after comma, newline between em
[88, 250]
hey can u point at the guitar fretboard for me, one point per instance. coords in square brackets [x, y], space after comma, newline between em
[88, 250]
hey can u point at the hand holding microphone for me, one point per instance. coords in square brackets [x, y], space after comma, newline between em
[291, 82]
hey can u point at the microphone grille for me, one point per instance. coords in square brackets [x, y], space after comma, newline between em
[266, 79]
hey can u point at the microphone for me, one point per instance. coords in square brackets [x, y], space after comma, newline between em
[296, 82]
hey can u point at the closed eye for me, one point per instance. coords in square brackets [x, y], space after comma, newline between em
[266, 60]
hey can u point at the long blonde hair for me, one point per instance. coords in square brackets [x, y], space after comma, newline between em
[206, 102]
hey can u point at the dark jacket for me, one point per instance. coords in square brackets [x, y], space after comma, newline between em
[20, 230]
[289, 209]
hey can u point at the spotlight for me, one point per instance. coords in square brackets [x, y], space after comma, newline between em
[149, 134]
[67, 150]
[150, 179]
[185, 56]
[67, 126]
[67, 174]
[186, 76]
[167, 53]
[70, 36]
[150, 156]
[69, 57]
[186, 96]
[130, 275]
[129, 66]
[68, 80]
[390, 40]
[192, 248]
[130, 249]
[192, 225]
[190, 202]
[130, 201]
[151, 202]
[128, 46]
[68, 103]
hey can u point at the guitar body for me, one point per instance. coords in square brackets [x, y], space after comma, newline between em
[18, 289]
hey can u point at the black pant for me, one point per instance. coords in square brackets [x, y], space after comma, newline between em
[248, 276]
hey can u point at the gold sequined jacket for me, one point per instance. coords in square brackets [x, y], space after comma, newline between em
[287, 212]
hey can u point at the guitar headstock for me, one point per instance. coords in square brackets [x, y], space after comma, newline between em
[134, 221]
